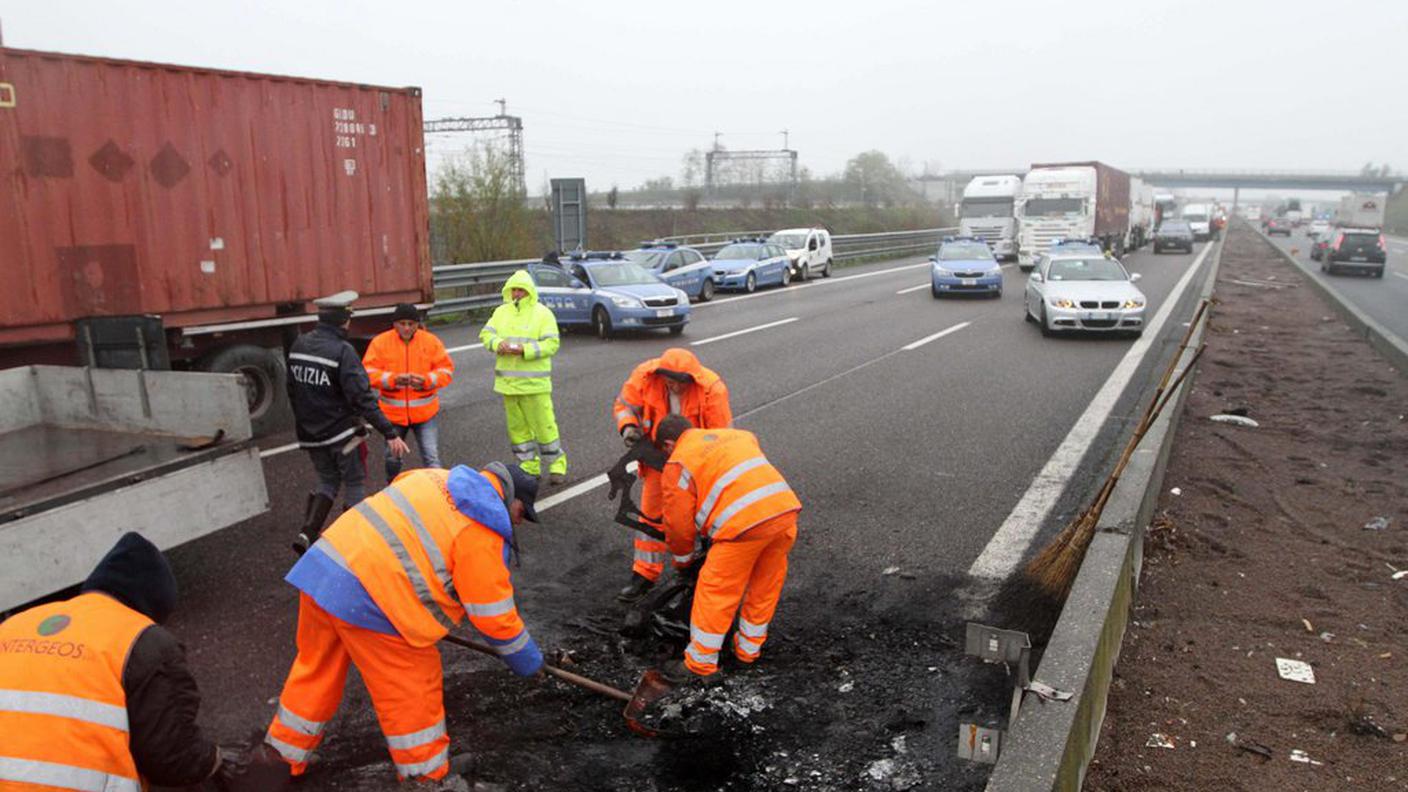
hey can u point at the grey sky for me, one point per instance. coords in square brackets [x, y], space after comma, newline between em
[618, 91]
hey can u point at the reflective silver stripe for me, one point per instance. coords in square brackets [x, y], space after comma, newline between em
[62, 706]
[407, 565]
[526, 374]
[752, 630]
[546, 336]
[432, 550]
[490, 608]
[488, 329]
[633, 408]
[402, 742]
[432, 380]
[744, 502]
[331, 552]
[683, 559]
[313, 359]
[519, 339]
[525, 451]
[550, 448]
[299, 723]
[685, 478]
[409, 402]
[518, 643]
[424, 768]
[648, 423]
[31, 771]
[706, 639]
[537, 348]
[337, 438]
[725, 480]
[746, 645]
[386, 380]
[707, 658]
[290, 752]
[649, 558]
[622, 415]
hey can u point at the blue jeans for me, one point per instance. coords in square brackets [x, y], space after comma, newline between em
[427, 441]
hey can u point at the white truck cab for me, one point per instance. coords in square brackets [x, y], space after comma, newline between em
[808, 250]
[1056, 203]
[988, 212]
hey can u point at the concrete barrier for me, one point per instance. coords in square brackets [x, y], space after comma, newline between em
[1051, 744]
[1380, 337]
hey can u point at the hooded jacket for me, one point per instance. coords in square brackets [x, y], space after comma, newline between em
[644, 400]
[529, 324]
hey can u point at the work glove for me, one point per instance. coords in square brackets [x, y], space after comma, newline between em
[690, 572]
[258, 769]
[631, 435]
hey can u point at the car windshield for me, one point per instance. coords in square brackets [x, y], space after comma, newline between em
[1174, 227]
[649, 259]
[985, 207]
[740, 252]
[964, 251]
[789, 241]
[1091, 269]
[1052, 207]
[620, 273]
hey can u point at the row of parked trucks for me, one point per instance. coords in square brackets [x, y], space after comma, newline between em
[1020, 217]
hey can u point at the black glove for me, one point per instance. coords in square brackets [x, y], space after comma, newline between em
[690, 573]
[259, 769]
[631, 435]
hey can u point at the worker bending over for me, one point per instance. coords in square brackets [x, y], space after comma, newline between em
[673, 384]
[408, 365]
[96, 694]
[388, 580]
[718, 485]
[523, 336]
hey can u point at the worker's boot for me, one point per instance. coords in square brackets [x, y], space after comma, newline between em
[315, 513]
[639, 586]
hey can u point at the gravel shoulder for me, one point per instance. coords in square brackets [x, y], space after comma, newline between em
[1279, 541]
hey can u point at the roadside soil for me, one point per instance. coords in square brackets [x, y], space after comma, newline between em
[1275, 546]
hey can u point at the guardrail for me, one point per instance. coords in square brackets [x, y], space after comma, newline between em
[465, 287]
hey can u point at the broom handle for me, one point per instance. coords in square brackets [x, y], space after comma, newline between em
[1147, 419]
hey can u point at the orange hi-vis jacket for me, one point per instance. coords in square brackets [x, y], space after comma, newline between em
[426, 562]
[63, 712]
[718, 484]
[644, 400]
[388, 356]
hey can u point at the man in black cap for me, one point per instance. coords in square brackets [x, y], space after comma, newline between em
[96, 694]
[408, 367]
[331, 398]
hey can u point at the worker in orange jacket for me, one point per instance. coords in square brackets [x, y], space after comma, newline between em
[383, 584]
[675, 383]
[717, 485]
[409, 366]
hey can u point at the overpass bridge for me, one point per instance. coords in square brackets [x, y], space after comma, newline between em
[1235, 180]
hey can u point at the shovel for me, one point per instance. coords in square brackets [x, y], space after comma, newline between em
[651, 688]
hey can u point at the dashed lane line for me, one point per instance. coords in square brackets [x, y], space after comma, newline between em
[465, 348]
[936, 336]
[1005, 550]
[912, 289]
[745, 331]
[796, 287]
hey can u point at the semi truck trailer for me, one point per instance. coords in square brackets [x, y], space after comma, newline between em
[1072, 200]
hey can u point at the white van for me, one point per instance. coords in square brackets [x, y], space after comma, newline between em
[808, 250]
[1199, 216]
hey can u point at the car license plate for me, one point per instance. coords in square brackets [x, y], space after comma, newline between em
[1099, 317]
[1359, 258]
[663, 312]
[968, 281]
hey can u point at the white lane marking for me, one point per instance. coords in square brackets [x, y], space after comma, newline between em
[453, 350]
[795, 287]
[745, 331]
[1007, 546]
[268, 452]
[912, 289]
[936, 336]
[573, 491]
[1401, 275]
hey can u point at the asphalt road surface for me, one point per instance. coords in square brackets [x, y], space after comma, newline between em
[914, 430]
[1381, 298]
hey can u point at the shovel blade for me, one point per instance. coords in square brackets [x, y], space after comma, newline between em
[652, 687]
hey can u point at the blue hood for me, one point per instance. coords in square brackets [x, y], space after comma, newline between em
[643, 290]
[968, 265]
[477, 499]
[734, 265]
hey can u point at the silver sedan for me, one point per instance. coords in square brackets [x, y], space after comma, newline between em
[1084, 292]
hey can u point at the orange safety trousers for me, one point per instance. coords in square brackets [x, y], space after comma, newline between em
[649, 558]
[405, 684]
[751, 569]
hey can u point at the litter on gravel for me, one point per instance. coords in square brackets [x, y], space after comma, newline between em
[1235, 420]
[1295, 670]
[1297, 755]
[1159, 740]
[1376, 524]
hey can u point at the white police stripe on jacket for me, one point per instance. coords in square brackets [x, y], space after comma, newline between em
[726, 479]
[37, 773]
[337, 438]
[307, 358]
[64, 706]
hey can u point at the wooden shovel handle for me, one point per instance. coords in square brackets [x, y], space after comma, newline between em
[565, 676]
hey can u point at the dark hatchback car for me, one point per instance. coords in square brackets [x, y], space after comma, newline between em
[1174, 235]
[1355, 250]
[1279, 225]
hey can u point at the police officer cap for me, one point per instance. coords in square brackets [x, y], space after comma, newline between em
[336, 308]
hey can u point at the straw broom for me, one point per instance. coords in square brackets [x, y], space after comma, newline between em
[1054, 569]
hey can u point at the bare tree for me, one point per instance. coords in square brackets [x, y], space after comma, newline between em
[478, 212]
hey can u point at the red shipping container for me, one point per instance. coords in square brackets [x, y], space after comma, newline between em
[203, 196]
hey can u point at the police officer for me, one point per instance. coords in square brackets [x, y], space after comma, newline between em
[331, 397]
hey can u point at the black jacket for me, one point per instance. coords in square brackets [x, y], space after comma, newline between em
[329, 390]
[162, 697]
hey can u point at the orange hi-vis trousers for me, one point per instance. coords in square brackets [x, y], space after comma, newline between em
[650, 554]
[751, 569]
[404, 683]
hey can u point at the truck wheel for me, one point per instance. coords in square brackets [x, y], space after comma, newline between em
[262, 373]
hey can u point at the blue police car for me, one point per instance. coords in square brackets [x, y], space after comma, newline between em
[682, 267]
[608, 293]
[964, 265]
[747, 264]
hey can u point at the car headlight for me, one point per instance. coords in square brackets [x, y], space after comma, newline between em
[943, 273]
[625, 302]
[1133, 303]
[1062, 302]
